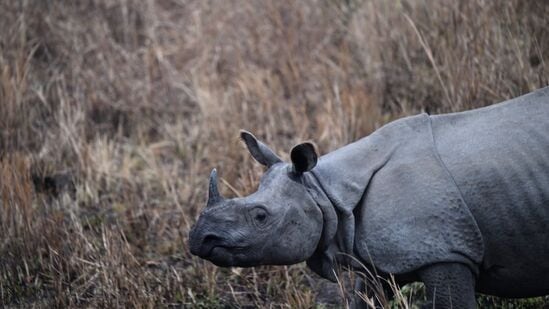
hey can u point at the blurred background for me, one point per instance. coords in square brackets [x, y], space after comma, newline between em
[112, 114]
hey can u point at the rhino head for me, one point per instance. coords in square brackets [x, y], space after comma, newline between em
[279, 224]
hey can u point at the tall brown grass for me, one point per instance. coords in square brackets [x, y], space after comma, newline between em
[113, 112]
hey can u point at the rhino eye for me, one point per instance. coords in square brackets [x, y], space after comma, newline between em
[259, 215]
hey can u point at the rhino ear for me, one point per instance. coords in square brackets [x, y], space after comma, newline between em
[258, 150]
[304, 157]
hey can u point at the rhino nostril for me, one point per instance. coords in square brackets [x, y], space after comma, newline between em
[211, 238]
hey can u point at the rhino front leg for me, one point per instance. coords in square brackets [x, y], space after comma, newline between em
[448, 285]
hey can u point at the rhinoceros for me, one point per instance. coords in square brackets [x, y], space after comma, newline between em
[458, 201]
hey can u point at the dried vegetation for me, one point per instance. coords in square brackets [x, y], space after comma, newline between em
[113, 112]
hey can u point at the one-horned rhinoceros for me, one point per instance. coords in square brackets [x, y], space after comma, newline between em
[458, 201]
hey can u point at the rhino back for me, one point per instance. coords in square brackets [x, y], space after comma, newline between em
[499, 159]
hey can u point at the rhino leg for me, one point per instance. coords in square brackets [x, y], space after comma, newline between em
[448, 285]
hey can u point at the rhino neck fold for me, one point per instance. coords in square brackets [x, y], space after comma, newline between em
[345, 173]
[339, 182]
[322, 260]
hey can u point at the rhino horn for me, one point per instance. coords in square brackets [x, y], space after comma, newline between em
[213, 194]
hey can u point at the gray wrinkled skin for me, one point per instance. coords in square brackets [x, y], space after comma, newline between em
[280, 224]
[459, 201]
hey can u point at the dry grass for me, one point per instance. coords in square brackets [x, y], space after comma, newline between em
[112, 113]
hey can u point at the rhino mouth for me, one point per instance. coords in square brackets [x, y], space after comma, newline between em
[227, 256]
[225, 248]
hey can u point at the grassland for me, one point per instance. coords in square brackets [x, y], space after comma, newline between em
[112, 113]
